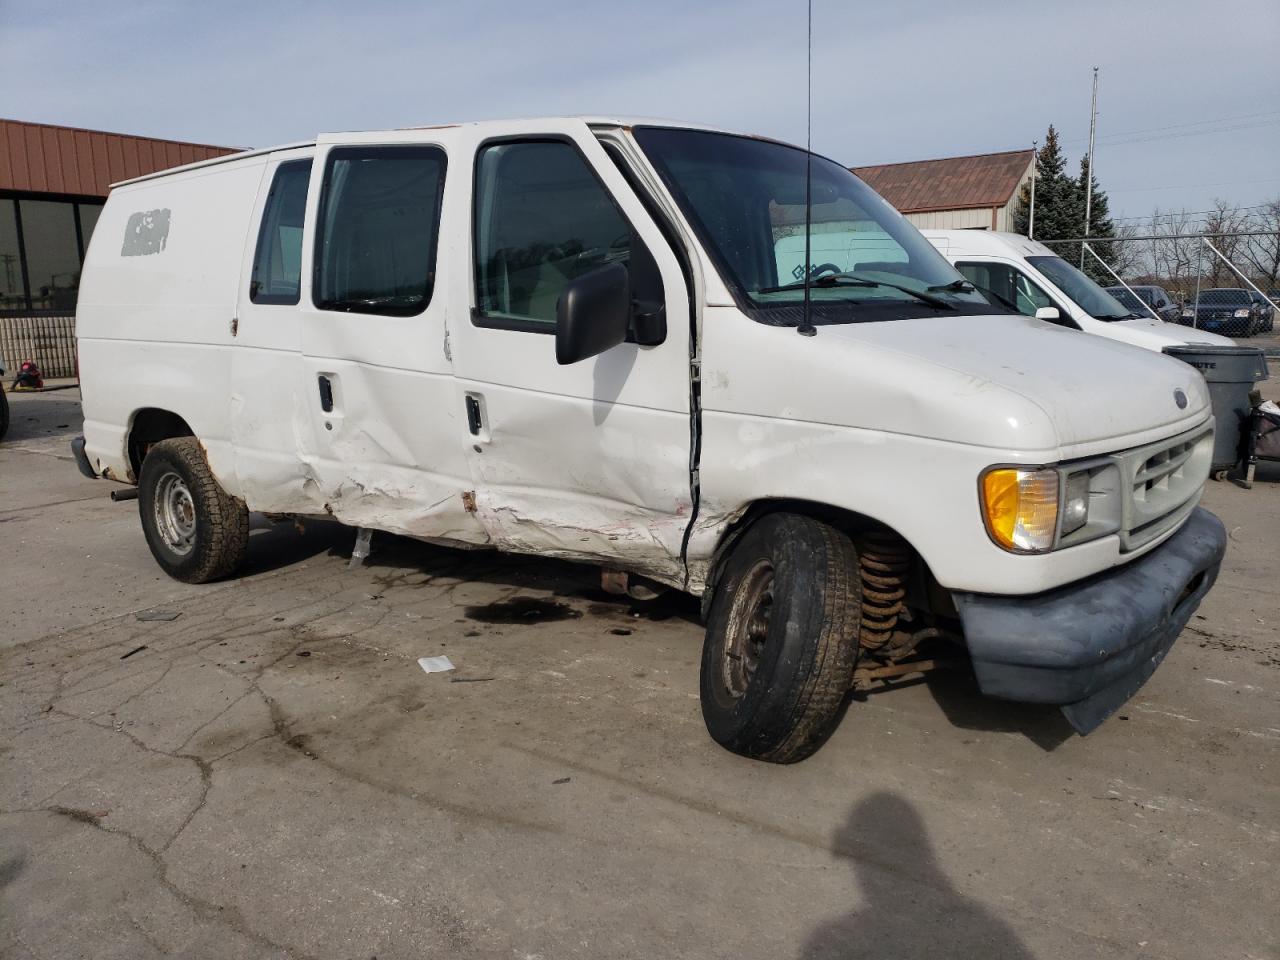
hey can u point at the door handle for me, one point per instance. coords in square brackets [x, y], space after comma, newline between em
[475, 421]
[326, 394]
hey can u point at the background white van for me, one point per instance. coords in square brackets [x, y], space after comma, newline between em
[1030, 277]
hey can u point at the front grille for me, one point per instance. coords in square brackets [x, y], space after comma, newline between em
[1162, 483]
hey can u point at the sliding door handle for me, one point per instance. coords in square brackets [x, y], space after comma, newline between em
[475, 420]
[326, 394]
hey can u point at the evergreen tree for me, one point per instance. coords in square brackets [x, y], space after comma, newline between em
[1100, 226]
[1060, 202]
[1059, 209]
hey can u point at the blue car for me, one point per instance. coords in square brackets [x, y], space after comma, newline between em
[1232, 311]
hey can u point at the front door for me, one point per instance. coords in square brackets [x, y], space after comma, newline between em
[588, 461]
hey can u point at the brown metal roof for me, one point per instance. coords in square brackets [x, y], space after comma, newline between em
[954, 183]
[43, 158]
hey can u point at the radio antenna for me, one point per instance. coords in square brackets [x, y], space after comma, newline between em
[806, 328]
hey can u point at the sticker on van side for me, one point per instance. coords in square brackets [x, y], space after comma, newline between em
[146, 233]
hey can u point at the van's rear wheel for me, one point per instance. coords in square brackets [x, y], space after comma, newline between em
[782, 638]
[196, 531]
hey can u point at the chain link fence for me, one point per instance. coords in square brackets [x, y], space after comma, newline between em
[1224, 283]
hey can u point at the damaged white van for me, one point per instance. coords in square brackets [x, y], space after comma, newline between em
[594, 339]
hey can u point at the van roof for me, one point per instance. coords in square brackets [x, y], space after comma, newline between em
[990, 242]
[498, 125]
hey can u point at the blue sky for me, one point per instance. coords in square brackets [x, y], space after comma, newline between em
[1181, 121]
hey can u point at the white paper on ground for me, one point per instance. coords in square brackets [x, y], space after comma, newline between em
[435, 664]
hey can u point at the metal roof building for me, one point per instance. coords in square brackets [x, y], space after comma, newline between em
[977, 192]
[53, 182]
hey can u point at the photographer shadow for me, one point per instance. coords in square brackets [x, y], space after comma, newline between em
[909, 908]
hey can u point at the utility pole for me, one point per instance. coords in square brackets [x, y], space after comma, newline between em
[1088, 187]
[1035, 163]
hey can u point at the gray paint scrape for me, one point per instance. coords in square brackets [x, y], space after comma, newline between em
[146, 233]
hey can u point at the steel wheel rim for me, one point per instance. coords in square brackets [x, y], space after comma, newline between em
[175, 511]
[748, 629]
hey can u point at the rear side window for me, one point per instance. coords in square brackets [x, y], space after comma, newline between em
[277, 263]
[379, 224]
[542, 218]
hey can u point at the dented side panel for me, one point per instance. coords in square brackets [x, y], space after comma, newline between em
[588, 461]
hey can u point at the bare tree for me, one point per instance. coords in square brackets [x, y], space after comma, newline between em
[1128, 257]
[1176, 254]
[1263, 253]
[1228, 221]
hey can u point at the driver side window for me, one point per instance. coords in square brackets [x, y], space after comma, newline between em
[542, 219]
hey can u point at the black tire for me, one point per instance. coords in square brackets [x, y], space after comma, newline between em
[784, 708]
[196, 531]
[4, 412]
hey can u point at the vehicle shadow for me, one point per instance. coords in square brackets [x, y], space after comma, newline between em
[908, 906]
[957, 693]
[402, 562]
[274, 545]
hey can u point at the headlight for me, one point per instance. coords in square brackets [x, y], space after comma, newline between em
[1075, 503]
[1020, 508]
[1188, 314]
[1241, 313]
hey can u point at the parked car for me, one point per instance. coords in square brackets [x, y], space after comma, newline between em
[1148, 300]
[1235, 311]
[599, 341]
[1035, 281]
[1266, 310]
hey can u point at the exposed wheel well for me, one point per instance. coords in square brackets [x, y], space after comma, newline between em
[847, 521]
[150, 426]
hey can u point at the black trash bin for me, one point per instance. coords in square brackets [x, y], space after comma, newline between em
[1230, 373]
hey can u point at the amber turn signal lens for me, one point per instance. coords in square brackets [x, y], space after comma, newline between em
[1020, 508]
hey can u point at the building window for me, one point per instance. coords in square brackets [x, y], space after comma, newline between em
[42, 245]
[88, 220]
[53, 253]
[13, 294]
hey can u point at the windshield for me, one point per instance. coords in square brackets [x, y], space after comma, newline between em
[1088, 295]
[746, 200]
[1223, 297]
[1127, 299]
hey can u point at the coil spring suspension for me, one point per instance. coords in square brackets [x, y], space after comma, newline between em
[883, 561]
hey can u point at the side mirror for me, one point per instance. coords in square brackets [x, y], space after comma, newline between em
[593, 313]
[1048, 313]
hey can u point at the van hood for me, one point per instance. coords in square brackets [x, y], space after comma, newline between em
[1156, 334]
[1011, 382]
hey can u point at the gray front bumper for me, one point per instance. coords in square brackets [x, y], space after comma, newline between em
[1090, 645]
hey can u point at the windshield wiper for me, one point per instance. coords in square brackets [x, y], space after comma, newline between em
[853, 280]
[955, 286]
[826, 280]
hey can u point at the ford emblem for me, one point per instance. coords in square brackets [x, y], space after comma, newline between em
[1180, 399]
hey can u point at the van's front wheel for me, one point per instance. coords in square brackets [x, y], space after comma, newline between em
[782, 638]
[196, 531]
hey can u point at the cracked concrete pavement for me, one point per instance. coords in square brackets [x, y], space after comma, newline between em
[272, 775]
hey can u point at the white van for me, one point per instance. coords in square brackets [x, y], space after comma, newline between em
[585, 339]
[1035, 281]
